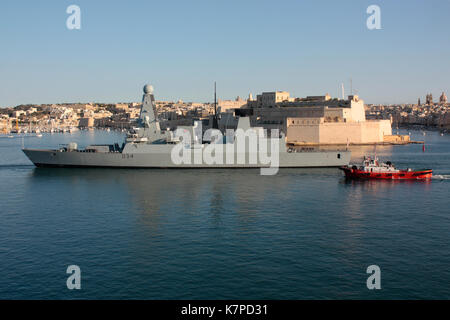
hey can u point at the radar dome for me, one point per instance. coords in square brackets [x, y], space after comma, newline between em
[148, 89]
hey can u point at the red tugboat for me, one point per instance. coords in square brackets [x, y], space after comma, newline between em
[373, 169]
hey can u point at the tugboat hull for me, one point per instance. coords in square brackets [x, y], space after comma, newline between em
[353, 173]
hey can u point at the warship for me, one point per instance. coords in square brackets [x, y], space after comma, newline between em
[147, 146]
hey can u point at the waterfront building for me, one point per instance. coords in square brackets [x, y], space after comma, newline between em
[315, 119]
[429, 99]
[5, 124]
[87, 122]
[122, 106]
[443, 98]
[444, 121]
[268, 99]
[229, 105]
[18, 113]
[338, 125]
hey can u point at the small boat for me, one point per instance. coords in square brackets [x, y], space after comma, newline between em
[372, 168]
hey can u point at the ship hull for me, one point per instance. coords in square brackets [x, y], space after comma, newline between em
[162, 159]
[352, 173]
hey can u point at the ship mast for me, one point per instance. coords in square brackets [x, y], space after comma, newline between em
[215, 124]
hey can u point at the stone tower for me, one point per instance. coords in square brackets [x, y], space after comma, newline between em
[443, 98]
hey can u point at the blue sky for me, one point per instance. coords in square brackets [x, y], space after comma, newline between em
[181, 47]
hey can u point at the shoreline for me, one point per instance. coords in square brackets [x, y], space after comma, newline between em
[304, 144]
[421, 127]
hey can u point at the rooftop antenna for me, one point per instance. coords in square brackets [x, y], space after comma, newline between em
[342, 88]
[351, 86]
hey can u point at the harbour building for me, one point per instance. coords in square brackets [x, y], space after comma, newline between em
[316, 119]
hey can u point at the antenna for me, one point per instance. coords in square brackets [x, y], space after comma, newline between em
[215, 124]
[351, 86]
[342, 88]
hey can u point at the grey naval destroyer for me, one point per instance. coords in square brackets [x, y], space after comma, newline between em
[147, 146]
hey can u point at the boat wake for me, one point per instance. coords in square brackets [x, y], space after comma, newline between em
[441, 177]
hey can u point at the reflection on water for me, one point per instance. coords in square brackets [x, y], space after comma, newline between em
[154, 191]
[375, 186]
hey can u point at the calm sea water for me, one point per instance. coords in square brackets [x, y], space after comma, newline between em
[222, 234]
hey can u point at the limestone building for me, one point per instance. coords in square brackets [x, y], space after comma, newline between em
[443, 98]
[316, 119]
[229, 105]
